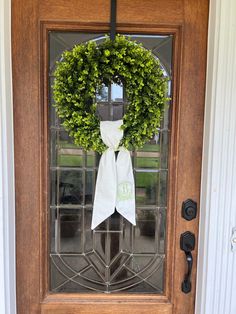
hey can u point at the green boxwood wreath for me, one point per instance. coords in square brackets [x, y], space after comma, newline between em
[83, 70]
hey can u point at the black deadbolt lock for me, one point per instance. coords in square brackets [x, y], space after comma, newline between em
[189, 209]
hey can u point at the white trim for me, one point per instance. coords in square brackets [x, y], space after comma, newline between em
[7, 192]
[216, 280]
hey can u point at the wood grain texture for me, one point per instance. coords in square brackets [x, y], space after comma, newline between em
[189, 154]
[187, 21]
[135, 11]
[105, 309]
[27, 152]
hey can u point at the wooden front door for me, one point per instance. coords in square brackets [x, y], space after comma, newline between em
[62, 265]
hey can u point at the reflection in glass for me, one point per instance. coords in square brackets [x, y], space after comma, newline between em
[70, 157]
[90, 159]
[70, 231]
[89, 187]
[146, 184]
[70, 187]
[103, 111]
[116, 92]
[116, 256]
[102, 94]
[144, 240]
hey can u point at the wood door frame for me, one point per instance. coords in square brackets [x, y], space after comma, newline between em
[138, 28]
[29, 139]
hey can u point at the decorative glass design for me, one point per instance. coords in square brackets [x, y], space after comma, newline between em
[116, 256]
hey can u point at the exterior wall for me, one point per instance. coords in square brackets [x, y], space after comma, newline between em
[216, 263]
[216, 282]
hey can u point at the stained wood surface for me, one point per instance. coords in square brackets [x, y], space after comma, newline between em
[106, 309]
[31, 21]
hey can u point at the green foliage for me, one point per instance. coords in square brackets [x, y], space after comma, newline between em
[82, 72]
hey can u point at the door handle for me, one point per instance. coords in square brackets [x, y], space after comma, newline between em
[187, 244]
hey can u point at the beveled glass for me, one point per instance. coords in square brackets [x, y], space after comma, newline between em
[116, 256]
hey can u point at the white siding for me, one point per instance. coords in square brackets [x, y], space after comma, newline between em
[216, 288]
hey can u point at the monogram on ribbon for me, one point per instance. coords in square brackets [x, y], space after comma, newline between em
[115, 181]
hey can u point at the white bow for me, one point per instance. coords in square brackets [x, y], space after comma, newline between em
[115, 180]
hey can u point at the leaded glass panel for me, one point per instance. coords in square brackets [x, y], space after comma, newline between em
[116, 256]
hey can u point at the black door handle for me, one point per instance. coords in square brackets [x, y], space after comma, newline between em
[187, 244]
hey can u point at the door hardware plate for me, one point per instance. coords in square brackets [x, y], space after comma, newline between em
[189, 209]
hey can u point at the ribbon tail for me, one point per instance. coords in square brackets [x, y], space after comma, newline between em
[105, 191]
[125, 201]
